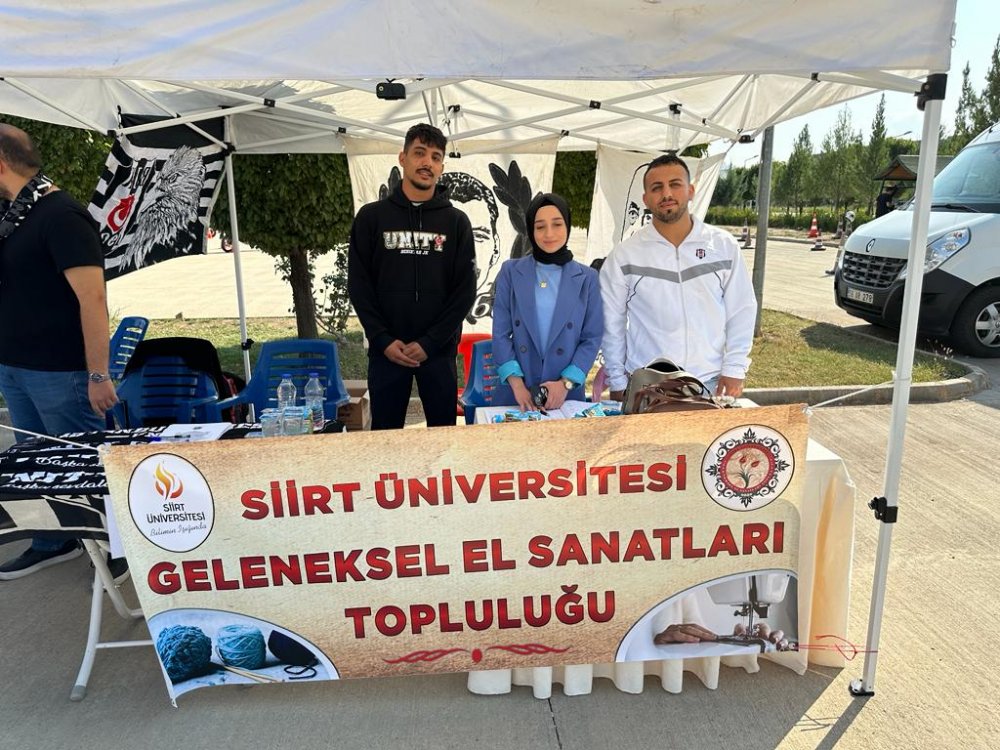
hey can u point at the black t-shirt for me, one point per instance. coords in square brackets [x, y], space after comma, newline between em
[39, 312]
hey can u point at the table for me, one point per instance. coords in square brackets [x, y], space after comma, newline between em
[45, 486]
[827, 541]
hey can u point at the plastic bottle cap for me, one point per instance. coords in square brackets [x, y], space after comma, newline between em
[286, 375]
[314, 374]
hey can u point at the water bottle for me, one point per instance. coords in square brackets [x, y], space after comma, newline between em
[286, 392]
[315, 396]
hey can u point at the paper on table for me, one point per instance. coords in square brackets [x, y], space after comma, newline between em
[190, 433]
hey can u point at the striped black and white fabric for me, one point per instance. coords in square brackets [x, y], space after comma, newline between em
[56, 488]
[152, 203]
[59, 489]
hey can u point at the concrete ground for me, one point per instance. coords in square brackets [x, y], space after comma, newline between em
[937, 658]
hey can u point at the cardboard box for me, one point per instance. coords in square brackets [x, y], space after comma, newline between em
[357, 413]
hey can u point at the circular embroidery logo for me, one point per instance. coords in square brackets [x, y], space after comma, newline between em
[747, 467]
[171, 503]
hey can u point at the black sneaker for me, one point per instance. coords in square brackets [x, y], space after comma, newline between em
[32, 560]
[119, 569]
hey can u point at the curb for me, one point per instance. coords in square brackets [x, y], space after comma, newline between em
[972, 382]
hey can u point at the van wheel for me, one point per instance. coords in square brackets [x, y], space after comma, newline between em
[976, 329]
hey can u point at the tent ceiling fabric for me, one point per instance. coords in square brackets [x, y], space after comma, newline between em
[526, 39]
[292, 76]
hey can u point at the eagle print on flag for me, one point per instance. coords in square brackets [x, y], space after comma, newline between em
[152, 204]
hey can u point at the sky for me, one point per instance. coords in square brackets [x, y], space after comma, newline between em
[977, 26]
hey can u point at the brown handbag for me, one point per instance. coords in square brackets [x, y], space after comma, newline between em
[681, 393]
[662, 387]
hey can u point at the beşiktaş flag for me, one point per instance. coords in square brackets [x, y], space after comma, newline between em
[58, 488]
[154, 196]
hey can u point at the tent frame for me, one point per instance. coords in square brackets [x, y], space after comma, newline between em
[320, 123]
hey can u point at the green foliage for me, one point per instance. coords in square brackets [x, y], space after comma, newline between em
[795, 178]
[574, 180]
[988, 110]
[333, 304]
[874, 158]
[294, 207]
[288, 202]
[72, 157]
[782, 218]
[837, 173]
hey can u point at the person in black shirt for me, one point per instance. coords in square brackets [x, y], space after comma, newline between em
[411, 277]
[53, 317]
[886, 200]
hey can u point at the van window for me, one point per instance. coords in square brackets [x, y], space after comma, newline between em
[972, 180]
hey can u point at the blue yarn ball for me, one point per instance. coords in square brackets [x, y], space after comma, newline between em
[184, 650]
[241, 646]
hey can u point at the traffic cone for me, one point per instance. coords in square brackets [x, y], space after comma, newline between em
[818, 244]
[814, 228]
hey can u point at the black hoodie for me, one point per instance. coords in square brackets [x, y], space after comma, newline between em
[411, 272]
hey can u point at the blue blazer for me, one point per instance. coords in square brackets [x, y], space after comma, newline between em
[574, 336]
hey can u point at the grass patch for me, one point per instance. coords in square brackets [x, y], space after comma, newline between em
[793, 351]
[790, 351]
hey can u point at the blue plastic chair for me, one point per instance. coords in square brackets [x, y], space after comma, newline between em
[298, 358]
[129, 333]
[481, 381]
[174, 380]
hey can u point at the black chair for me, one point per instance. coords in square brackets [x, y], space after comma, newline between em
[169, 381]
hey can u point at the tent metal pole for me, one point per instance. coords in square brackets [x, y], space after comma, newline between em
[717, 110]
[885, 507]
[875, 80]
[166, 110]
[763, 215]
[237, 261]
[187, 119]
[611, 105]
[514, 146]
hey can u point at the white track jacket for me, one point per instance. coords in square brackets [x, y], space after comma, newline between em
[693, 304]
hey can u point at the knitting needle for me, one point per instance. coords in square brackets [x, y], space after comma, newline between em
[250, 675]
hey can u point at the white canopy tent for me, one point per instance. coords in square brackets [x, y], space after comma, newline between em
[648, 75]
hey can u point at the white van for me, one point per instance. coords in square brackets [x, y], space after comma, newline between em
[961, 293]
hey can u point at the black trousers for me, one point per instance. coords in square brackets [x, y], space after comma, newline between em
[389, 387]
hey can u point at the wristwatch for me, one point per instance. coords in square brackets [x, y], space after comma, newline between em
[98, 377]
[570, 385]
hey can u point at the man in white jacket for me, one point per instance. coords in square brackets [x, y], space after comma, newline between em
[677, 288]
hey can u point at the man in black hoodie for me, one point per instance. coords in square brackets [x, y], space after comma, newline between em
[411, 276]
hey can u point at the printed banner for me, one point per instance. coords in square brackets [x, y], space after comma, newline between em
[617, 211]
[493, 189]
[375, 554]
[152, 203]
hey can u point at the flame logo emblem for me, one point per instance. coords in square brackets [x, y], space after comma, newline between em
[167, 485]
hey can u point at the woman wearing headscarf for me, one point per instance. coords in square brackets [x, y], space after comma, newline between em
[547, 315]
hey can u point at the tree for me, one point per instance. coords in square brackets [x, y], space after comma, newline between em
[72, 157]
[874, 158]
[987, 110]
[791, 186]
[837, 167]
[573, 179]
[968, 103]
[294, 207]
